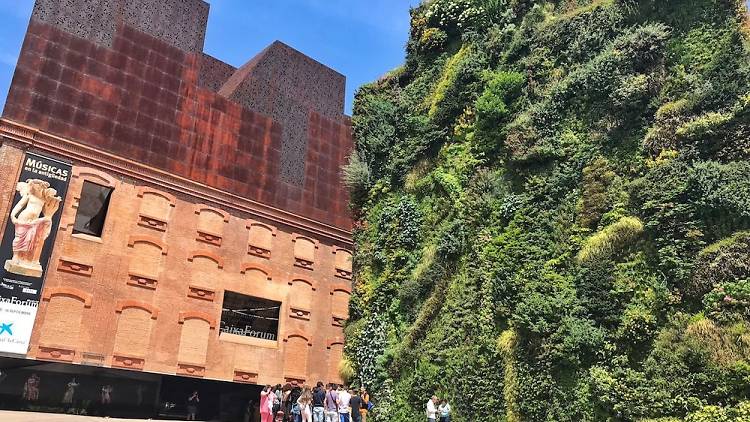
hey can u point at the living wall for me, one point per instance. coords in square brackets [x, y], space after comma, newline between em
[553, 214]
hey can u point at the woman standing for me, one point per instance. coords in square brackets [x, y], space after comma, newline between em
[305, 404]
[444, 411]
[70, 391]
[266, 404]
[31, 388]
[365, 396]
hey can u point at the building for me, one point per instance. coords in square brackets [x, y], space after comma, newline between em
[202, 239]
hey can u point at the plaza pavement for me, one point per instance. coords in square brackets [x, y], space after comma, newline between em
[8, 416]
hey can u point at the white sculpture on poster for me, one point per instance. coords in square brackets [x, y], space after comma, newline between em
[32, 221]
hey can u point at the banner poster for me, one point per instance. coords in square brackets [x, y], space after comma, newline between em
[27, 246]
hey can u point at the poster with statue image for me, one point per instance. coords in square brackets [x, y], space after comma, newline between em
[27, 246]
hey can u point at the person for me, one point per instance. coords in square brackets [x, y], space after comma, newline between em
[356, 404]
[444, 410]
[266, 408]
[295, 411]
[192, 406]
[318, 403]
[365, 396]
[285, 402]
[305, 404]
[278, 396]
[331, 404]
[431, 410]
[31, 388]
[70, 391]
[343, 401]
[105, 399]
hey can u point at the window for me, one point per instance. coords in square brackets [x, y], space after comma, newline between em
[250, 316]
[92, 209]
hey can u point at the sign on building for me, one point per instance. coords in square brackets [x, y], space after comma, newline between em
[250, 316]
[27, 246]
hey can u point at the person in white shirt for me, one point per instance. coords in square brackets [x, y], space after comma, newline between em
[444, 410]
[431, 409]
[343, 401]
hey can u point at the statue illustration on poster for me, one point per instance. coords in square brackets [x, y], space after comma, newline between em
[32, 219]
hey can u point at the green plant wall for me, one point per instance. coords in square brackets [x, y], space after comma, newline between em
[553, 214]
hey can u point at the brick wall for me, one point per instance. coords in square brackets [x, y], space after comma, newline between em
[166, 318]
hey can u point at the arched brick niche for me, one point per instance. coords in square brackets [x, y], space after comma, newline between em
[194, 335]
[343, 263]
[260, 239]
[340, 294]
[205, 269]
[304, 251]
[296, 350]
[210, 224]
[301, 293]
[62, 322]
[155, 208]
[132, 338]
[146, 261]
[335, 349]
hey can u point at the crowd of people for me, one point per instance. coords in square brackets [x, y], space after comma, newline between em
[330, 403]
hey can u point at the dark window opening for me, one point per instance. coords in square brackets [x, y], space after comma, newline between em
[92, 209]
[250, 316]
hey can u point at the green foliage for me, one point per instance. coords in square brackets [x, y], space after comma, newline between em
[612, 239]
[553, 204]
[357, 178]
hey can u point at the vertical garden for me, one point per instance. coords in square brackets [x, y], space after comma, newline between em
[553, 214]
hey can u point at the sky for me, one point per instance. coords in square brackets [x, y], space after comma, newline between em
[362, 39]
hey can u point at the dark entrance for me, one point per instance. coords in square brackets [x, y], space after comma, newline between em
[44, 387]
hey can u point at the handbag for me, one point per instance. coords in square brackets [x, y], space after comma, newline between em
[370, 405]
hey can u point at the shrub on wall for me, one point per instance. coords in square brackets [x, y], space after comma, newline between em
[553, 201]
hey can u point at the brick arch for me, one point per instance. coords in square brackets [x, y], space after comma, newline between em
[143, 190]
[202, 207]
[296, 236]
[137, 238]
[250, 223]
[341, 287]
[184, 315]
[50, 292]
[124, 304]
[252, 266]
[94, 175]
[207, 254]
[333, 341]
[297, 279]
[298, 333]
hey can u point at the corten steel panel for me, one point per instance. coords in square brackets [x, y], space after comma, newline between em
[138, 85]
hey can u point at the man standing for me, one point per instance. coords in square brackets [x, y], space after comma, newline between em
[431, 409]
[343, 402]
[331, 404]
[192, 406]
[319, 397]
[356, 404]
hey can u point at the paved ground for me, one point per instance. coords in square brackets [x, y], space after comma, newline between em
[7, 416]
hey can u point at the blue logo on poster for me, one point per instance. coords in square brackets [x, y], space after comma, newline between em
[6, 328]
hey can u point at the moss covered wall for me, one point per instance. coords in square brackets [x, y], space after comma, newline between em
[553, 203]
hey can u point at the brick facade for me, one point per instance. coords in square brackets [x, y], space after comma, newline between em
[217, 185]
